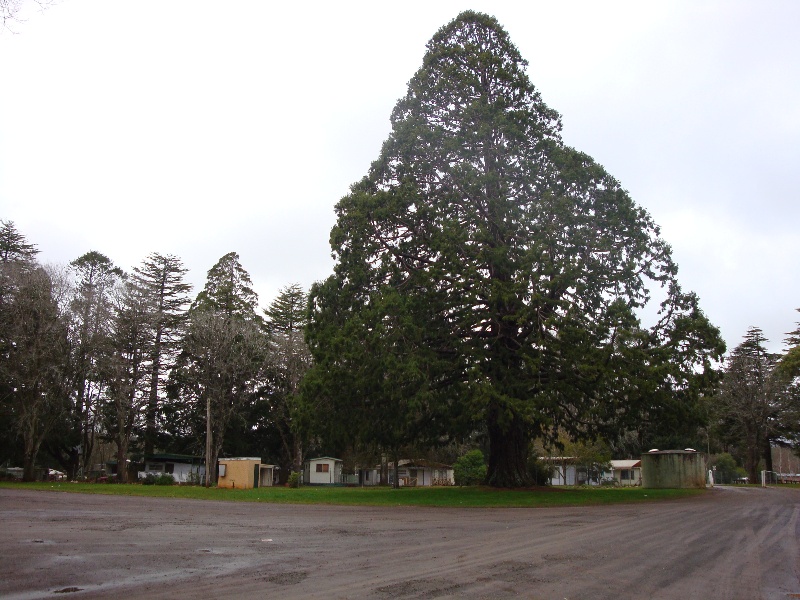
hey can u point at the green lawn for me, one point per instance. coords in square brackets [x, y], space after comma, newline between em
[379, 496]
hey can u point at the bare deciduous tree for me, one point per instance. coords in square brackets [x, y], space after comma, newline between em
[34, 352]
[10, 10]
[219, 370]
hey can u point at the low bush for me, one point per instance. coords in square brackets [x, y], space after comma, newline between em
[294, 479]
[470, 469]
[155, 479]
[165, 479]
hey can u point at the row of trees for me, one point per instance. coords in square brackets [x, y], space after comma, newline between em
[90, 353]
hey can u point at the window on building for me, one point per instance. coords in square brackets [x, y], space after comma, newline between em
[169, 468]
[322, 467]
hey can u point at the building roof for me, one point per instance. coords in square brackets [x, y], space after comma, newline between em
[325, 458]
[559, 459]
[625, 464]
[429, 464]
[168, 457]
[417, 463]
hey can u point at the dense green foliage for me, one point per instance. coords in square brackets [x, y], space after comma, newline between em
[490, 278]
[725, 469]
[153, 479]
[470, 469]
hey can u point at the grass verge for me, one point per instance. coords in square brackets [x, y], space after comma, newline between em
[455, 497]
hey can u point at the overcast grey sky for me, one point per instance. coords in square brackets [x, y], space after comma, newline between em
[197, 128]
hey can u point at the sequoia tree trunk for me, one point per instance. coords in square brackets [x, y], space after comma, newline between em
[508, 449]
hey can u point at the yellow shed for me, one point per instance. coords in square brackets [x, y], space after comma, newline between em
[244, 473]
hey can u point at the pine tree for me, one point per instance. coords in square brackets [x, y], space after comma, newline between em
[229, 290]
[13, 245]
[790, 362]
[161, 279]
[290, 358]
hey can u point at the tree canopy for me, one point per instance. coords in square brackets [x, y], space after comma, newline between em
[489, 276]
[228, 290]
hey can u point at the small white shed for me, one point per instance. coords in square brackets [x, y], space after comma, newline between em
[184, 468]
[324, 470]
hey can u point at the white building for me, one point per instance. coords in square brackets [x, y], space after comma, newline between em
[183, 468]
[564, 470]
[412, 472]
[626, 472]
[324, 470]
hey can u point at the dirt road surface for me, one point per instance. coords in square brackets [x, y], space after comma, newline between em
[729, 543]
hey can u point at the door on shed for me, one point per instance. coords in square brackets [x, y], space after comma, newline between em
[265, 476]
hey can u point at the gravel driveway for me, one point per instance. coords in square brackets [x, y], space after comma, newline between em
[729, 543]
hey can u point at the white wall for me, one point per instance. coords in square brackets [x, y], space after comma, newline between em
[332, 476]
[182, 472]
[563, 475]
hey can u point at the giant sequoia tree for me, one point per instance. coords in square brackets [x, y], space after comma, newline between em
[488, 274]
